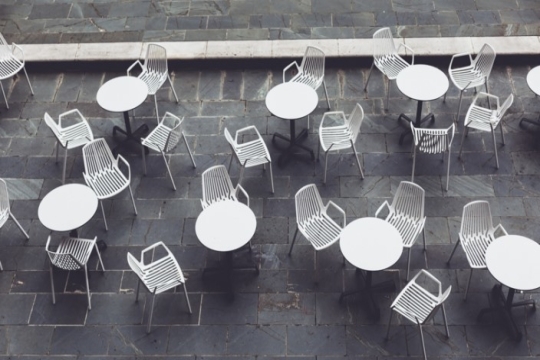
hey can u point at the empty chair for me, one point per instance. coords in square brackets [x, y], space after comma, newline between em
[342, 136]
[164, 139]
[475, 235]
[313, 221]
[11, 62]
[102, 173]
[419, 305]
[71, 136]
[158, 275]
[386, 57]
[485, 119]
[217, 186]
[154, 71]
[5, 211]
[433, 141]
[250, 153]
[310, 71]
[72, 254]
[473, 75]
[406, 213]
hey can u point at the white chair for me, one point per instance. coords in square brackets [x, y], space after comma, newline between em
[217, 186]
[71, 136]
[5, 211]
[154, 71]
[473, 75]
[310, 71]
[485, 119]
[386, 57]
[342, 136]
[164, 139]
[102, 173]
[72, 254]
[433, 141]
[313, 221]
[407, 215]
[419, 305]
[11, 62]
[475, 235]
[158, 275]
[250, 153]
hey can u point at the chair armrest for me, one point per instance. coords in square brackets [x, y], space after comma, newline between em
[20, 51]
[240, 188]
[332, 113]
[133, 65]
[254, 158]
[488, 96]
[288, 67]
[120, 157]
[331, 203]
[501, 228]
[407, 48]
[385, 203]
[456, 56]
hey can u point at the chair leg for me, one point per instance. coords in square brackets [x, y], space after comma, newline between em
[445, 322]
[388, 93]
[1, 268]
[452, 253]
[326, 93]
[413, 163]
[487, 91]
[99, 257]
[155, 102]
[65, 164]
[502, 133]
[369, 76]
[168, 170]
[444, 98]
[408, 265]
[28, 79]
[495, 147]
[468, 284]
[187, 298]
[241, 175]
[230, 163]
[424, 236]
[103, 212]
[151, 313]
[3, 92]
[293, 239]
[271, 176]
[388, 326]
[319, 151]
[172, 87]
[132, 199]
[448, 170]
[19, 225]
[462, 140]
[137, 293]
[189, 151]
[422, 338]
[325, 166]
[52, 282]
[459, 106]
[143, 158]
[57, 147]
[357, 160]
[87, 287]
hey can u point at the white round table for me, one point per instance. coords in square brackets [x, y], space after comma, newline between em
[533, 80]
[68, 207]
[291, 101]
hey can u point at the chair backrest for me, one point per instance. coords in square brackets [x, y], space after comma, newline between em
[308, 204]
[476, 222]
[156, 60]
[5, 51]
[97, 157]
[52, 124]
[230, 139]
[433, 141]
[4, 202]
[383, 44]
[63, 261]
[216, 185]
[483, 62]
[409, 200]
[174, 124]
[355, 121]
[313, 64]
[504, 107]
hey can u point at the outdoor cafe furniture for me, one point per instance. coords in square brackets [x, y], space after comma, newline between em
[420, 83]
[11, 62]
[386, 57]
[122, 94]
[341, 136]
[371, 244]
[249, 153]
[433, 141]
[475, 74]
[5, 211]
[406, 214]
[513, 261]
[102, 173]
[154, 71]
[164, 139]
[475, 235]
[157, 275]
[484, 119]
[76, 133]
[292, 101]
[533, 80]
[419, 305]
[72, 254]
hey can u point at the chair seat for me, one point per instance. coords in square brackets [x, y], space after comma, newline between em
[462, 76]
[391, 65]
[321, 232]
[337, 135]
[157, 139]
[408, 228]
[77, 135]
[414, 303]
[481, 118]
[9, 65]
[255, 152]
[107, 183]
[152, 80]
[80, 249]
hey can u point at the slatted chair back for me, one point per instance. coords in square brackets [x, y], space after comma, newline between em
[4, 202]
[156, 62]
[476, 226]
[5, 51]
[354, 122]
[62, 260]
[483, 63]
[408, 201]
[174, 123]
[53, 125]
[383, 46]
[97, 157]
[216, 186]
[433, 141]
[504, 107]
[309, 205]
[312, 67]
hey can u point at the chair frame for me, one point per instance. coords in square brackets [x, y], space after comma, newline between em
[17, 63]
[225, 186]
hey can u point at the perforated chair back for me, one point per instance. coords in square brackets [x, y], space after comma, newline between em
[216, 186]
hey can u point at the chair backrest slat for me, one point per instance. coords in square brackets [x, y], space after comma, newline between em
[383, 44]
[308, 204]
[217, 185]
[355, 121]
[485, 59]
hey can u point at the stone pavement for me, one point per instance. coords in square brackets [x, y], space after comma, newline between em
[282, 312]
[62, 21]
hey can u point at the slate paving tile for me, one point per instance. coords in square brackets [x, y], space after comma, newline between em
[201, 340]
[77, 340]
[68, 310]
[254, 340]
[116, 309]
[369, 340]
[275, 256]
[494, 341]
[28, 340]
[133, 341]
[172, 309]
[328, 340]
[6, 279]
[16, 308]
[38, 282]
[217, 310]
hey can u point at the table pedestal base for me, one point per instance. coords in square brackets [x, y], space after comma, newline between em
[504, 308]
[529, 121]
[294, 143]
[367, 289]
[417, 122]
[130, 137]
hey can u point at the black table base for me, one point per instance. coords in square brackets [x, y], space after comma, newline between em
[366, 288]
[294, 143]
[417, 122]
[504, 306]
[130, 137]
[529, 121]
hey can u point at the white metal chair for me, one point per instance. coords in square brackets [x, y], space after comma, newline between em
[312, 219]
[386, 57]
[5, 211]
[475, 235]
[164, 139]
[154, 71]
[433, 141]
[407, 215]
[485, 119]
[11, 62]
[103, 174]
[72, 254]
[250, 153]
[473, 75]
[419, 305]
[71, 136]
[217, 186]
[310, 71]
[158, 275]
[342, 136]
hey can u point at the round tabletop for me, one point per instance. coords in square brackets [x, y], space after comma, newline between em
[68, 207]
[122, 94]
[291, 100]
[533, 80]
[513, 261]
[225, 226]
[422, 82]
[371, 244]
